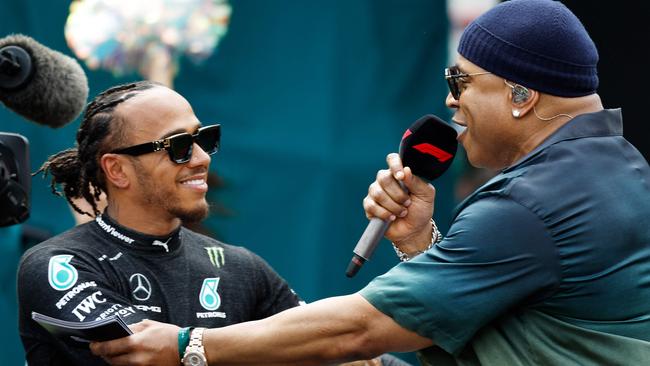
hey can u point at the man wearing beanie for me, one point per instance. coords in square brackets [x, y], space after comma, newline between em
[548, 263]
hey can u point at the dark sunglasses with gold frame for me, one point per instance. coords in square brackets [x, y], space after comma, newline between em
[179, 146]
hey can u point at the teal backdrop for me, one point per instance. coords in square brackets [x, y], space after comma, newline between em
[311, 96]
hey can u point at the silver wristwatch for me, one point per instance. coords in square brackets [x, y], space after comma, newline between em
[195, 353]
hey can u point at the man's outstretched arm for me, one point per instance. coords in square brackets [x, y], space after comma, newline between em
[331, 330]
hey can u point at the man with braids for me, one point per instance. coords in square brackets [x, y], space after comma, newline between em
[141, 146]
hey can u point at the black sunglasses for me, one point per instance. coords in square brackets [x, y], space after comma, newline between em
[455, 77]
[179, 146]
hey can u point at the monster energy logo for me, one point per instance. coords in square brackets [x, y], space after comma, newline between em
[216, 256]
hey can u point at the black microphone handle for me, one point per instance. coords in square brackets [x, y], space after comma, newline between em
[368, 242]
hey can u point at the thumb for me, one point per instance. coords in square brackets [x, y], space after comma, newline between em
[140, 326]
[418, 187]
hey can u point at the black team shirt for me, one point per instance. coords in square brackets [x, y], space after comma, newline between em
[101, 268]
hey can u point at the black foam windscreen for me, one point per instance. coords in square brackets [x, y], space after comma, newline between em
[40, 84]
[428, 147]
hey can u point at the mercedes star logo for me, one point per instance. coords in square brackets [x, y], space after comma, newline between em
[141, 288]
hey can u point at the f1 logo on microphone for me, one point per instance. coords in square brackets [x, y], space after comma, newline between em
[436, 152]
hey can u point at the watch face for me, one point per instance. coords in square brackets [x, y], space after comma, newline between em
[194, 358]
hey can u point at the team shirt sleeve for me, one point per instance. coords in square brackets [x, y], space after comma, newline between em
[68, 285]
[276, 294]
[496, 254]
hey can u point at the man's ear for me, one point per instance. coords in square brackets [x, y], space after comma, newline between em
[116, 170]
[522, 100]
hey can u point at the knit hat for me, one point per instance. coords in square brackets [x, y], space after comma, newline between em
[539, 44]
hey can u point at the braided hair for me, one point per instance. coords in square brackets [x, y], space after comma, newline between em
[77, 169]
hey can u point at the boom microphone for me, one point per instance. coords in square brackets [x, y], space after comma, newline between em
[42, 85]
[428, 147]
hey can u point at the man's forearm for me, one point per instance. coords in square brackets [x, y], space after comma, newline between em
[332, 330]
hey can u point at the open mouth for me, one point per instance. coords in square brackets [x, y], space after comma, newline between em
[459, 126]
[195, 182]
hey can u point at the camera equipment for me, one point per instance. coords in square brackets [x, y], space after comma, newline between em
[14, 179]
[45, 87]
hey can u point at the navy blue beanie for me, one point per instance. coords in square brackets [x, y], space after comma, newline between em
[539, 44]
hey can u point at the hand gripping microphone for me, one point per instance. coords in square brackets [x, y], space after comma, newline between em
[42, 85]
[428, 147]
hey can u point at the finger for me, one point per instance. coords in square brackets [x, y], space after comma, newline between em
[374, 210]
[115, 361]
[395, 165]
[139, 326]
[111, 348]
[392, 188]
[386, 199]
[418, 187]
[124, 360]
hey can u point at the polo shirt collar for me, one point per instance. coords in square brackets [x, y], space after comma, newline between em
[608, 122]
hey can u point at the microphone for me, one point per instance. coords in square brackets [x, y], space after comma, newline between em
[428, 147]
[45, 87]
[40, 84]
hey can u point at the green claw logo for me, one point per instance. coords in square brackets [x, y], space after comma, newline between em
[61, 274]
[216, 255]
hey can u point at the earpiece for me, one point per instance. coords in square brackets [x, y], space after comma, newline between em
[520, 94]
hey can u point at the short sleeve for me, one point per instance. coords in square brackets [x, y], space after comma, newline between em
[275, 293]
[65, 284]
[497, 254]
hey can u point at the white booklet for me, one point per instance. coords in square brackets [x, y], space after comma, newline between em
[112, 327]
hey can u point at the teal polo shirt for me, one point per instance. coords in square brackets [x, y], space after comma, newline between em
[546, 263]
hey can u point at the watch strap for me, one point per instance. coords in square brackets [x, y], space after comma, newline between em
[195, 345]
[183, 340]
